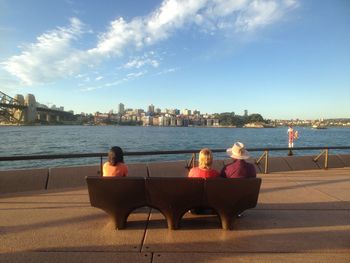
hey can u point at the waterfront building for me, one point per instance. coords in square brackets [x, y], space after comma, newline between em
[179, 121]
[195, 122]
[216, 122]
[100, 117]
[186, 122]
[138, 111]
[147, 120]
[172, 121]
[121, 108]
[161, 120]
[150, 108]
[155, 121]
[128, 111]
[196, 112]
[186, 112]
[158, 111]
[170, 111]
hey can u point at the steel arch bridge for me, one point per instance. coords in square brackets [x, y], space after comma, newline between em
[9, 105]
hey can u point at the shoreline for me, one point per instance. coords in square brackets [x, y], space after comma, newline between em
[161, 126]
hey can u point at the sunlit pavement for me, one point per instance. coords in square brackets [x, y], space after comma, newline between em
[302, 216]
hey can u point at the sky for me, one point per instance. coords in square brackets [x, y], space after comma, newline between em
[283, 59]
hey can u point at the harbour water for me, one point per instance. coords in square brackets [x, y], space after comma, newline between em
[41, 140]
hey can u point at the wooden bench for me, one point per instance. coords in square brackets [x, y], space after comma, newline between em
[173, 196]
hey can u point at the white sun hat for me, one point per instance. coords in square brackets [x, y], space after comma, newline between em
[238, 151]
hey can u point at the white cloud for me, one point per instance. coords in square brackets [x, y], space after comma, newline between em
[262, 13]
[134, 75]
[53, 54]
[147, 59]
[166, 71]
[91, 88]
[208, 15]
[50, 57]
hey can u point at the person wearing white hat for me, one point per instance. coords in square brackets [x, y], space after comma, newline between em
[239, 168]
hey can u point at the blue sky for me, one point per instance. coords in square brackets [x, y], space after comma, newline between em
[280, 58]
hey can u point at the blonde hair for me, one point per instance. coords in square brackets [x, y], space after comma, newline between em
[205, 158]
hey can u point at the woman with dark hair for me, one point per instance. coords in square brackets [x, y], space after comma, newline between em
[115, 165]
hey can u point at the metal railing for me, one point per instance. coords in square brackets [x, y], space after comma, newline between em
[265, 155]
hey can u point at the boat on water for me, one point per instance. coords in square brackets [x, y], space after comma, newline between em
[259, 125]
[319, 126]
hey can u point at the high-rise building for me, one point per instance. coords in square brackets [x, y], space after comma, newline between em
[196, 112]
[151, 108]
[186, 112]
[121, 108]
[245, 113]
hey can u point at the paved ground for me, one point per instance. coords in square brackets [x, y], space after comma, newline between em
[302, 216]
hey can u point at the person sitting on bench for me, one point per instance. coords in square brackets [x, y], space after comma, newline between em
[115, 165]
[239, 168]
[204, 169]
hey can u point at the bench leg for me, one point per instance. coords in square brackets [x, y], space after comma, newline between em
[226, 220]
[173, 218]
[120, 220]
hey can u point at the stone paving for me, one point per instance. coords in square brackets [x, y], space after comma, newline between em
[302, 216]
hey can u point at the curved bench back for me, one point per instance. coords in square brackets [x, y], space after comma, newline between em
[173, 196]
[174, 192]
[116, 193]
[234, 194]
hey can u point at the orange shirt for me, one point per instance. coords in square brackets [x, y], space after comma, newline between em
[119, 170]
[203, 173]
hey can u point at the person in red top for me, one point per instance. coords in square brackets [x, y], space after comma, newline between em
[204, 169]
[239, 168]
[115, 165]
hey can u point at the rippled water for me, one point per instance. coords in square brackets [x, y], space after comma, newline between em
[27, 140]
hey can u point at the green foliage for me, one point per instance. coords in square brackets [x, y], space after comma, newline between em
[230, 119]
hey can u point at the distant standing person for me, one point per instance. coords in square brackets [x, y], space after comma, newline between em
[239, 168]
[115, 165]
[290, 132]
[204, 169]
[292, 135]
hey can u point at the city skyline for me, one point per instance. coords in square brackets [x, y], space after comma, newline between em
[284, 59]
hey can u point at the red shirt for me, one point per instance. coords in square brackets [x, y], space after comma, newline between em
[203, 173]
[238, 169]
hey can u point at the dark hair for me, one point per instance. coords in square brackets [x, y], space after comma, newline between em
[115, 155]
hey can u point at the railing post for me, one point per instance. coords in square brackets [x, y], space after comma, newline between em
[266, 166]
[194, 160]
[326, 159]
[101, 165]
[266, 162]
[325, 152]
